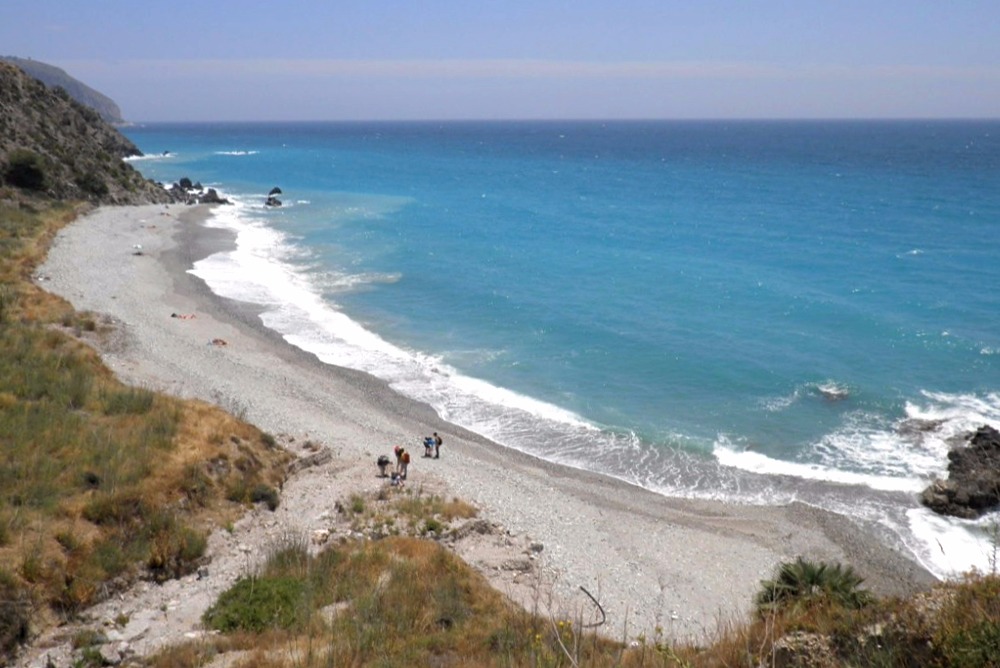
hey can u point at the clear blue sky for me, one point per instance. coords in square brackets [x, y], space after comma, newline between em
[438, 59]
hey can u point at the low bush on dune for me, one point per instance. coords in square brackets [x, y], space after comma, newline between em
[396, 601]
[804, 583]
[408, 601]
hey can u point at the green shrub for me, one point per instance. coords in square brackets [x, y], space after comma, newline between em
[121, 509]
[974, 647]
[256, 604]
[92, 184]
[803, 582]
[110, 557]
[267, 494]
[357, 504]
[25, 169]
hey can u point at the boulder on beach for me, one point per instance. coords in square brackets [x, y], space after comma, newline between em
[973, 484]
[212, 197]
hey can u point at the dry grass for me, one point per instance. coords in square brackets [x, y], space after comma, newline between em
[99, 481]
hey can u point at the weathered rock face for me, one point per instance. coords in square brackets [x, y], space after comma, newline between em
[973, 484]
[53, 146]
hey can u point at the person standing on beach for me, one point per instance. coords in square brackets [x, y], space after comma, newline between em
[398, 451]
[404, 461]
[437, 445]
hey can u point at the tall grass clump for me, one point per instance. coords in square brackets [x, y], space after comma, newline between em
[128, 401]
[969, 633]
[99, 482]
[15, 614]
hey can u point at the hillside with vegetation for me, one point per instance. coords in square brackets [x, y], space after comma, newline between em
[55, 77]
[103, 484]
[52, 146]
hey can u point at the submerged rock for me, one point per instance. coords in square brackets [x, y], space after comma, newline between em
[973, 485]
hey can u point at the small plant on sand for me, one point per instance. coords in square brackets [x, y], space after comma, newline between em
[357, 504]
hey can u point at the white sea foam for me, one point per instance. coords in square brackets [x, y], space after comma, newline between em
[832, 390]
[949, 546]
[903, 455]
[778, 404]
[258, 271]
[237, 153]
[958, 413]
[143, 158]
[756, 462]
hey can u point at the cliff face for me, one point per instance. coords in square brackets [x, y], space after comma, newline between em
[53, 146]
[54, 77]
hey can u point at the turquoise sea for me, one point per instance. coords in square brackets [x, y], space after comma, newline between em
[752, 311]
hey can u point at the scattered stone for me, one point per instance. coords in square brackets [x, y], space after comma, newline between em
[800, 649]
[535, 547]
[519, 565]
[476, 526]
[110, 655]
[320, 536]
[319, 458]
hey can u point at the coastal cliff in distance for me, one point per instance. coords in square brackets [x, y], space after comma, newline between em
[54, 77]
[53, 146]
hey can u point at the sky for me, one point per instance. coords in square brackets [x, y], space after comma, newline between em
[542, 59]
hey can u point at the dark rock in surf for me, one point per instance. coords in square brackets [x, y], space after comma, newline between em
[973, 485]
[272, 201]
[212, 197]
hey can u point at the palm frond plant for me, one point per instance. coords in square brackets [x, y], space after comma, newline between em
[804, 582]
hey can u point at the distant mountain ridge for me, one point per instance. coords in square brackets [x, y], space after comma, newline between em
[53, 77]
[53, 146]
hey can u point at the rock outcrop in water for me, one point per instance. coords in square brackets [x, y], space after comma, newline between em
[973, 484]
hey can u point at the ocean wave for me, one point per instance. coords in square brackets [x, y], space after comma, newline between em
[957, 413]
[872, 450]
[144, 158]
[237, 153]
[831, 390]
[948, 546]
[756, 462]
[258, 271]
[778, 404]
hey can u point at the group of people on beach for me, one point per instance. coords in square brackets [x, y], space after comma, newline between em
[432, 444]
[432, 448]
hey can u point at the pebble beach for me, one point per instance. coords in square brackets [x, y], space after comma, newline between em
[685, 566]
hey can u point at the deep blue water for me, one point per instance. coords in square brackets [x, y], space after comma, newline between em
[756, 311]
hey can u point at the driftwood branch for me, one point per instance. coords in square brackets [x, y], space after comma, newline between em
[604, 617]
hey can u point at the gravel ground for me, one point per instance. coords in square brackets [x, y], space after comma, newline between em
[684, 565]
